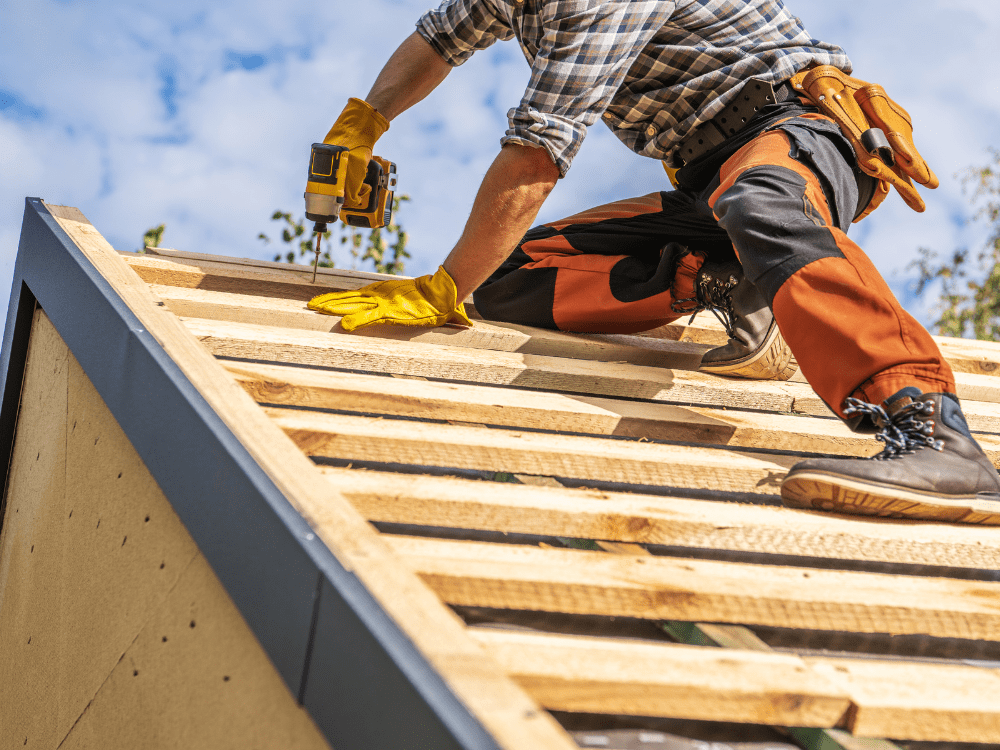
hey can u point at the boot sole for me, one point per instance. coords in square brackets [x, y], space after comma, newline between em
[772, 361]
[817, 490]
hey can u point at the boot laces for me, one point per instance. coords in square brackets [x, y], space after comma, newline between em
[903, 432]
[712, 294]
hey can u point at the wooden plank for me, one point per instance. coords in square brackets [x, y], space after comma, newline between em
[258, 342]
[256, 278]
[505, 337]
[324, 389]
[237, 262]
[704, 329]
[607, 676]
[982, 416]
[964, 355]
[346, 279]
[970, 355]
[971, 388]
[376, 394]
[609, 347]
[227, 277]
[293, 313]
[739, 637]
[245, 341]
[917, 701]
[675, 521]
[454, 446]
[504, 709]
[505, 576]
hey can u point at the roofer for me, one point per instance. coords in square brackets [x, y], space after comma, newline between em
[723, 91]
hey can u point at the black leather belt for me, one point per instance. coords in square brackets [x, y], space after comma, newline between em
[754, 95]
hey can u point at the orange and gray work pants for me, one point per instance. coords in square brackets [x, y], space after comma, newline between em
[783, 202]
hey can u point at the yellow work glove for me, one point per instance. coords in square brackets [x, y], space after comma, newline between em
[358, 128]
[424, 301]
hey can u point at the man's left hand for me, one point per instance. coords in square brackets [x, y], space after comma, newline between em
[424, 301]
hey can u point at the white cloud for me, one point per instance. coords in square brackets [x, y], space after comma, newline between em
[141, 112]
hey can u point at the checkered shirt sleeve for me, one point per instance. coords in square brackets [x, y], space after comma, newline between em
[458, 28]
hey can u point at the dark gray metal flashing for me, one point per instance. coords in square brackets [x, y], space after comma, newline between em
[362, 679]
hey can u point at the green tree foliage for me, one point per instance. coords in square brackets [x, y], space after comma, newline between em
[385, 248]
[970, 286]
[153, 237]
[294, 235]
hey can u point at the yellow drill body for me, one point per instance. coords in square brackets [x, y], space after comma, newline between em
[325, 189]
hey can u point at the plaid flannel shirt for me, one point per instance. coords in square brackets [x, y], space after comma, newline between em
[653, 70]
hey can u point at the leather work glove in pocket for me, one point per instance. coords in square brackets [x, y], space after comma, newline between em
[879, 129]
[358, 128]
[894, 121]
[424, 301]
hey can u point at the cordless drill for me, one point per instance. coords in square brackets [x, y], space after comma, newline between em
[325, 192]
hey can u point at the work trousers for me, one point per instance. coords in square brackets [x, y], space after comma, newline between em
[782, 204]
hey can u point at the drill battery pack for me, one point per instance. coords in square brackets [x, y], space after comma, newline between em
[381, 177]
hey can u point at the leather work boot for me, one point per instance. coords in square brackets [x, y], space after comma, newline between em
[756, 348]
[931, 467]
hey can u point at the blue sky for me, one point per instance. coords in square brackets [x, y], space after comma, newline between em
[200, 115]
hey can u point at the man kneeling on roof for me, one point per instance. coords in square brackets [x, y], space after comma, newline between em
[773, 152]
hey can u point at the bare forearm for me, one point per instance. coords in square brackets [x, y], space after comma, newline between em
[513, 190]
[413, 71]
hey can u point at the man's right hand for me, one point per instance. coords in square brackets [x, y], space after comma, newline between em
[357, 129]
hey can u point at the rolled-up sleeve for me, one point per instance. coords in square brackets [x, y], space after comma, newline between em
[587, 48]
[457, 28]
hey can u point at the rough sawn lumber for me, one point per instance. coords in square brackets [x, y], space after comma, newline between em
[669, 521]
[505, 337]
[539, 410]
[260, 342]
[600, 675]
[283, 385]
[354, 438]
[904, 700]
[256, 342]
[505, 576]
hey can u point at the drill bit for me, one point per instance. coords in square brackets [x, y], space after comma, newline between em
[316, 259]
[319, 228]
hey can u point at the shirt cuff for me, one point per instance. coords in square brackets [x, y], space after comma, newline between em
[560, 136]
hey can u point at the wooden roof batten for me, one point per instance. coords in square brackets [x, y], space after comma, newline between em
[612, 447]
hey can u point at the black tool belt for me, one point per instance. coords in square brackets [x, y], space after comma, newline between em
[754, 95]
